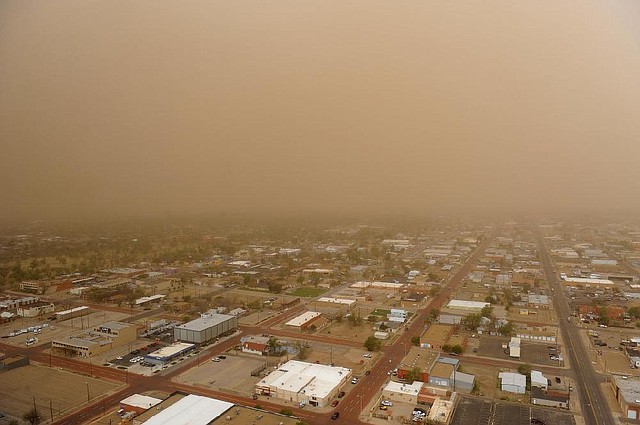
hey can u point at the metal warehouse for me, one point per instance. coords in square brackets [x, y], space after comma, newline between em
[205, 329]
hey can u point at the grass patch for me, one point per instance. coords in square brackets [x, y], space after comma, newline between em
[308, 291]
[247, 288]
[380, 312]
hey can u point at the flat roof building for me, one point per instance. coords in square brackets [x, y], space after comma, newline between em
[168, 353]
[418, 358]
[96, 341]
[205, 328]
[191, 410]
[305, 320]
[312, 383]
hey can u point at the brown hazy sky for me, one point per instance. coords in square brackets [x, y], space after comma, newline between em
[196, 106]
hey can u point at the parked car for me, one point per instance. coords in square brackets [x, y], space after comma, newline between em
[335, 403]
[335, 416]
[354, 380]
[386, 403]
[215, 359]
[341, 394]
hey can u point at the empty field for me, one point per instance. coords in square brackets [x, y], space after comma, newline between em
[53, 390]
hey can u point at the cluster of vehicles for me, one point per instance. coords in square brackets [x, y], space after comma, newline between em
[418, 414]
[37, 329]
[385, 404]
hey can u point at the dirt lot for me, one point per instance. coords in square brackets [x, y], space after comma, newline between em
[64, 390]
[348, 331]
[486, 378]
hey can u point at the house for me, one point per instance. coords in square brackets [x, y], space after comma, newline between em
[255, 345]
[513, 382]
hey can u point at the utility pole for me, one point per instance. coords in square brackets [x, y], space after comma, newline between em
[88, 395]
[51, 409]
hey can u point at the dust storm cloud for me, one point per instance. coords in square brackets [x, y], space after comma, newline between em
[169, 106]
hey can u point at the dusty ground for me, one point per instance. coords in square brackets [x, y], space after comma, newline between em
[486, 378]
[64, 390]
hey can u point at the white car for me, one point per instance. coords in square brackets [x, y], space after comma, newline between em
[366, 356]
[386, 403]
[215, 359]
[354, 380]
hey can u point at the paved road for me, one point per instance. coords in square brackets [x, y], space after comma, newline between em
[594, 404]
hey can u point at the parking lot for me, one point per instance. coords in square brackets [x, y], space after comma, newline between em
[232, 373]
[475, 411]
[532, 353]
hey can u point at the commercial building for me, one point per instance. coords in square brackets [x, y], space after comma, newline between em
[305, 320]
[35, 287]
[436, 336]
[138, 403]
[301, 382]
[169, 353]
[441, 411]
[191, 410]
[74, 312]
[419, 359]
[627, 393]
[513, 382]
[401, 392]
[514, 347]
[14, 303]
[471, 306]
[96, 341]
[36, 309]
[150, 300]
[205, 329]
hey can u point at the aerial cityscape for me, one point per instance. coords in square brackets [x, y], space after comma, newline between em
[307, 213]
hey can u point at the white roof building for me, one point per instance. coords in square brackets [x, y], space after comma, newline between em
[539, 380]
[298, 381]
[332, 300]
[140, 401]
[191, 410]
[467, 305]
[514, 347]
[304, 318]
[513, 382]
[401, 392]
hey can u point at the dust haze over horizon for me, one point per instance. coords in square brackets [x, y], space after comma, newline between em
[154, 107]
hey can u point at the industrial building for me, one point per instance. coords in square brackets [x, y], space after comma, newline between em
[100, 339]
[627, 393]
[36, 309]
[305, 320]
[205, 329]
[74, 312]
[513, 382]
[138, 403]
[301, 382]
[169, 353]
[190, 410]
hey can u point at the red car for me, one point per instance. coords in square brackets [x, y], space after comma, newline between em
[335, 403]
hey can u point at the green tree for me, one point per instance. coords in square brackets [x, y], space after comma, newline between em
[274, 345]
[446, 348]
[457, 349]
[372, 343]
[286, 411]
[524, 369]
[486, 311]
[415, 340]
[413, 375]
[471, 322]
[507, 329]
